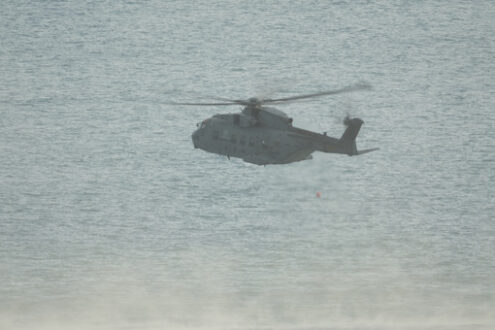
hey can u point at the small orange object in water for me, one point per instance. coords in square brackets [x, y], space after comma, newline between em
[318, 194]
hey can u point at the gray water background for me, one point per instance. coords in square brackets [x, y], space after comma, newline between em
[109, 218]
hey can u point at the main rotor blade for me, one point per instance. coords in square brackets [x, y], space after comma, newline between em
[220, 99]
[241, 102]
[203, 104]
[258, 102]
[352, 88]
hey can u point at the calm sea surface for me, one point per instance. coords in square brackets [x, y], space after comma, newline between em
[110, 219]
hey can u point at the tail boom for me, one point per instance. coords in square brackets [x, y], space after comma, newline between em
[345, 145]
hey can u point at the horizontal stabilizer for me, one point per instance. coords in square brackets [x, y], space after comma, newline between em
[360, 152]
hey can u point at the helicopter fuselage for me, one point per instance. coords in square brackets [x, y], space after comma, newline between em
[264, 136]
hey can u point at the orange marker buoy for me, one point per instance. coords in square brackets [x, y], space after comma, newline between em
[318, 194]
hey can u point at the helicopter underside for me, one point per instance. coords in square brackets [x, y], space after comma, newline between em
[271, 158]
[296, 157]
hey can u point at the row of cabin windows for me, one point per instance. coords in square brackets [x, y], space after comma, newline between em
[242, 140]
[233, 139]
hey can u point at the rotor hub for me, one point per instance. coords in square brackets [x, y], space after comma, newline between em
[254, 101]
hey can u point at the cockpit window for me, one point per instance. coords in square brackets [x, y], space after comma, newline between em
[203, 124]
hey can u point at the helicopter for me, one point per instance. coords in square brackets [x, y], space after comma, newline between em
[264, 135]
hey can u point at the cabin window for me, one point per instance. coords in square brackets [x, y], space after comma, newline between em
[263, 144]
[237, 119]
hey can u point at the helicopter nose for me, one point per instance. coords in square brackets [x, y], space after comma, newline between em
[195, 138]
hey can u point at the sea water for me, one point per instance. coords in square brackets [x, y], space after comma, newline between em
[110, 219]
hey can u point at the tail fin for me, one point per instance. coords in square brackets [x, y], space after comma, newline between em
[348, 139]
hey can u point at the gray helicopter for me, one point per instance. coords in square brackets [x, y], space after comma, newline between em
[263, 135]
